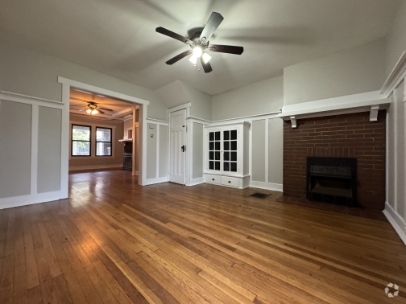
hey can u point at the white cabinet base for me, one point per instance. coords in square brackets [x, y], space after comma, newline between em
[228, 181]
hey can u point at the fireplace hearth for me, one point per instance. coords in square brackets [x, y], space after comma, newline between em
[332, 180]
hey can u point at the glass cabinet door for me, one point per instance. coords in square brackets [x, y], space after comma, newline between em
[214, 151]
[230, 150]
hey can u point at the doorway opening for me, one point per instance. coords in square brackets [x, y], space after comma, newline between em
[99, 123]
[104, 133]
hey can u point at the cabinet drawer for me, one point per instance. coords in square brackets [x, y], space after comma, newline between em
[230, 181]
[212, 179]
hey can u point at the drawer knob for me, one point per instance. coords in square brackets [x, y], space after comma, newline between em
[229, 182]
[212, 179]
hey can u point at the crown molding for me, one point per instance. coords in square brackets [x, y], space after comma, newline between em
[397, 75]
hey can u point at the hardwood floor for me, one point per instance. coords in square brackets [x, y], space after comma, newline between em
[116, 242]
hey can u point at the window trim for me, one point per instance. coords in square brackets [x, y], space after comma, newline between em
[97, 141]
[72, 140]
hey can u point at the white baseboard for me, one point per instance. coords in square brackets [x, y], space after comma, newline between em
[195, 181]
[396, 221]
[98, 167]
[267, 186]
[23, 200]
[151, 181]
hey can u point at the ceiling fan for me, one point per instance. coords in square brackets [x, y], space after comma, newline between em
[93, 108]
[200, 44]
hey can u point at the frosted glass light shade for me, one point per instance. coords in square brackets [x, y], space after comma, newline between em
[206, 57]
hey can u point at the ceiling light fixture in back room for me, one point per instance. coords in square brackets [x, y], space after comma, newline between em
[200, 44]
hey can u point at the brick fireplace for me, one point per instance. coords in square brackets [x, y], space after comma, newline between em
[344, 136]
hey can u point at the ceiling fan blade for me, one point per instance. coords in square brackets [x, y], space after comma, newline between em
[206, 66]
[100, 111]
[210, 27]
[105, 109]
[235, 50]
[179, 57]
[173, 35]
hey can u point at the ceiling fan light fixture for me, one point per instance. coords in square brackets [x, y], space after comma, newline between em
[197, 51]
[193, 59]
[89, 111]
[94, 112]
[206, 57]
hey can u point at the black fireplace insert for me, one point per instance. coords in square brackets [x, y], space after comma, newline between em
[332, 180]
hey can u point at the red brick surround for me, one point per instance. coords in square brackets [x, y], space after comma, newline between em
[349, 135]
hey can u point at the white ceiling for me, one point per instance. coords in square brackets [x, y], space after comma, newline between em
[118, 37]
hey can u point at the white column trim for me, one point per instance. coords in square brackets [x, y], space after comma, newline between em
[396, 221]
[189, 154]
[143, 133]
[34, 149]
[266, 150]
[157, 151]
[387, 158]
[395, 135]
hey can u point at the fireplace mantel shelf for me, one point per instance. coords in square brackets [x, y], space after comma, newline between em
[365, 102]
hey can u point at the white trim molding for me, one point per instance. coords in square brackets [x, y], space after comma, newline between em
[266, 186]
[152, 181]
[98, 90]
[195, 181]
[396, 221]
[396, 76]
[373, 114]
[24, 200]
[158, 121]
[357, 103]
[27, 98]
[186, 106]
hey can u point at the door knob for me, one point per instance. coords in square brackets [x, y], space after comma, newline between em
[183, 148]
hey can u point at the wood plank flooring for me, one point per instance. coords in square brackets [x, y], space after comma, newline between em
[116, 242]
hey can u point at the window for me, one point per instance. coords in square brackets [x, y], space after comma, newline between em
[103, 141]
[81, 140]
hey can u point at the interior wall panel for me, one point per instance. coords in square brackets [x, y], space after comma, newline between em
[275, 151]
[151, 150]
[49, 149]
[163, 150]
[258, 150]
[197, 150]
[15, 148]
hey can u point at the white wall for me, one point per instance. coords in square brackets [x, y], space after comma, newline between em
[396, 40]
[258, 98]
[200, 102]
[357, 70]
[31, 73]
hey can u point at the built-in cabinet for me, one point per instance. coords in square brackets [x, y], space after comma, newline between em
[226, 160]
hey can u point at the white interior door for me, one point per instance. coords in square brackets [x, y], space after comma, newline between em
[178, 147]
